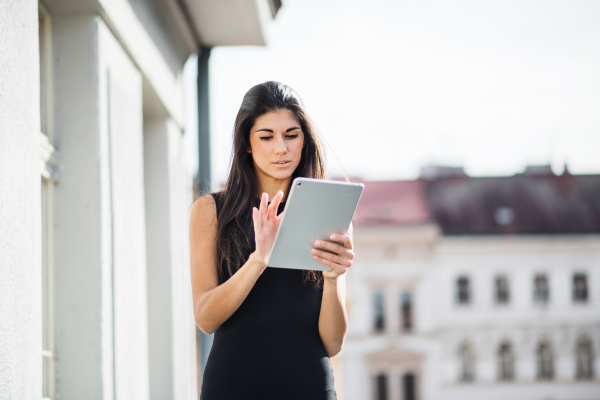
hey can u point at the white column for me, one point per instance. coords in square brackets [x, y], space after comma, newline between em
[487, 357]
[20, 203]
[123, 85]
[171, 327]
[392, 310]
[83, 252]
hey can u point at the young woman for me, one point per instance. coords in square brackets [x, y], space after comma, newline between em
[275, 329]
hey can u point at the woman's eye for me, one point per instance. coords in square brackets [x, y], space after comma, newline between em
[269, 137]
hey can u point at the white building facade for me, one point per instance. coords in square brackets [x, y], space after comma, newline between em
[95, 298]
[436, 315]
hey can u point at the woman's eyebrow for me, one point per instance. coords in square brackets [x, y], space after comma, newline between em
[271, 130]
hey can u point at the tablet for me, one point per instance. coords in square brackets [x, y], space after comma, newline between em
[315, 208]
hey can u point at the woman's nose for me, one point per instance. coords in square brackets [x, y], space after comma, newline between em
[281, 147]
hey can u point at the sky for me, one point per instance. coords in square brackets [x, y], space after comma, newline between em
[491, 86]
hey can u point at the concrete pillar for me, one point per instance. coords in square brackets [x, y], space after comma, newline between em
[83, 256]
[171, 326]
[124, 117]
[100, 244]
[20, 199]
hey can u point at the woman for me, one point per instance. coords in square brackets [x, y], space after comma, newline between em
[275, 329]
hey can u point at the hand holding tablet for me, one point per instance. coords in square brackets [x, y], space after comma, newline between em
[315, 209]
[336, 255]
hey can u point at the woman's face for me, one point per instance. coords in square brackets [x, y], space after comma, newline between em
[276, 136]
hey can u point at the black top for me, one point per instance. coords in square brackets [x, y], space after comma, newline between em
[270, 347]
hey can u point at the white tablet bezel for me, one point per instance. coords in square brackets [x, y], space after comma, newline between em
[312, 212]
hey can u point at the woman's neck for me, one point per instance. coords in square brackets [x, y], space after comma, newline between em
[272, 190]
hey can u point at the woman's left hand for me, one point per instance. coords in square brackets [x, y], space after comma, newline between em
[338, 262]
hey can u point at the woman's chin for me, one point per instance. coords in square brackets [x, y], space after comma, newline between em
[281, 174]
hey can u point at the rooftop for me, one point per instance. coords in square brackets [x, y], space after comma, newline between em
[534, 202]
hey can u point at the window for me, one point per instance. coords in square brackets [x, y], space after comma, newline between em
[506, 363]
[379, 323]
[580, 290]
[463, 290]
[541, 291]
[48, 177]
[381, 387]
[502, 290]
[406, 311]
[467, 363]
[408, 386]
[545, 361]
[585, 359]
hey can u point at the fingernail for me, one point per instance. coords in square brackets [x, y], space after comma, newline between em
[332, 236]
[318, 243]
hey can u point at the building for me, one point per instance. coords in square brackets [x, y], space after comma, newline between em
[95, 298]
[476, 288]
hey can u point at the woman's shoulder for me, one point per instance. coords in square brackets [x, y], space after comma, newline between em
[204, 208]
[211, 201]
[219, 198]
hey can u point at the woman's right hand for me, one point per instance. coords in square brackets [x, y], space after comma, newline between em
[266, 222]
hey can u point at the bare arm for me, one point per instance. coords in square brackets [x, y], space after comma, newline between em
[333, 319]
[214, 303]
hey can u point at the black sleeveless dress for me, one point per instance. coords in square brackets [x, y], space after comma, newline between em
[270, 347]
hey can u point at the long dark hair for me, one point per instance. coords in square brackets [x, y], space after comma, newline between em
[241, 187]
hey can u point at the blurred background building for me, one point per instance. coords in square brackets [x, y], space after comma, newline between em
[475, 288]
[95, 297]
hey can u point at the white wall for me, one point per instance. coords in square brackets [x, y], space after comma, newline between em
[20, 199]
[522, 322]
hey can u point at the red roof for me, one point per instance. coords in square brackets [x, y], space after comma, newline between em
[392, 202]
[524, 203]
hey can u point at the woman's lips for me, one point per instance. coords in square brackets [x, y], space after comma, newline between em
[283, 164]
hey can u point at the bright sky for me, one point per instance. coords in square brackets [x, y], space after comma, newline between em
[395, 85]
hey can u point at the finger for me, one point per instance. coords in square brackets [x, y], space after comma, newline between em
[334, 266]
[342, 261]
[345, 239]
[331, 246]
[263, 208]
[275, 205]
[256, 220]
[280, 215]
[278, 219]
[258, 226]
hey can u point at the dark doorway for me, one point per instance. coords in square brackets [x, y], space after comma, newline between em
[381, 389]
[408, 387]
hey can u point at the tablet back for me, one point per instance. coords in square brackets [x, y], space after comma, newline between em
[314, 209]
